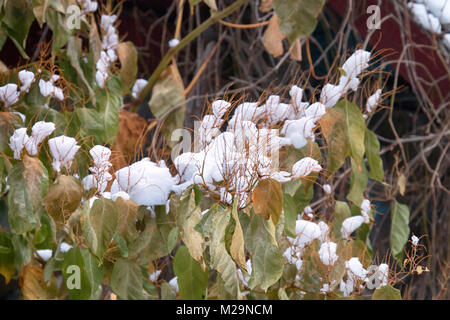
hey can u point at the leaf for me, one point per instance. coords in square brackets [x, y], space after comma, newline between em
[265, 6]
[63, 198]
[16, 21]
[267, 261]
[387, 292]
[358, 184]
[341, 212]
[126, 280]
[100, 225]
[372, 146]
[7, 267]
[237, 241]
[128, 60]
[192, 280]
[79, 263]
[33, 285]
[273, 37]
[127, 213]
[344, 129]
[334, 130]
[298, 18]
[36, 176]
[211, 3]
[39, 9]
[168, 102]
[399, 228]
[21, 216]
[267, 199]
[172, 239]
[220, 259]
[290, 215]
[8, 123]
[355, 128]
[189, 217]
[401, 184]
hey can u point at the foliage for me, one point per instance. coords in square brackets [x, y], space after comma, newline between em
[108, 232]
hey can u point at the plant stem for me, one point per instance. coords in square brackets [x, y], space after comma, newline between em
[215, 17]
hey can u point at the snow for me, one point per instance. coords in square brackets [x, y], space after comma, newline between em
[145, 182]
[245, 278]
[327, 253]
[26, 79]
[305, 167]
[293, 255]
[306, 232]
[414, 240]
[45, 254]
[355, 269]
[63, 150]
[427, 20]
[64, 247]
[39, 132]
[17, 141]
[350, 224]
[155, 275]
[173, 43]
[88, 5]
[9, 94]
[373, 101]
[383, 274]
[327, 188]
[220, 107]
[138, 86]
[47, 88]
[174, 284]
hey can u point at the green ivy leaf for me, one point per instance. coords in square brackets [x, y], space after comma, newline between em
[220, 259]
[192, 280]
[126, 280]
[17, 17]
[290, 215]
[399, 228]
[372, 146]
[358, 184]
[267, 261]
[387, 292]
[79, 265]
[7, 267]
[21, 215]
[298, 18]
[355, 128]
[100, 225]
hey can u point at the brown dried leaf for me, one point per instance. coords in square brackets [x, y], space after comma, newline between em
[129, 139]
[268, 199]
[33, 284]
[273, 37]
